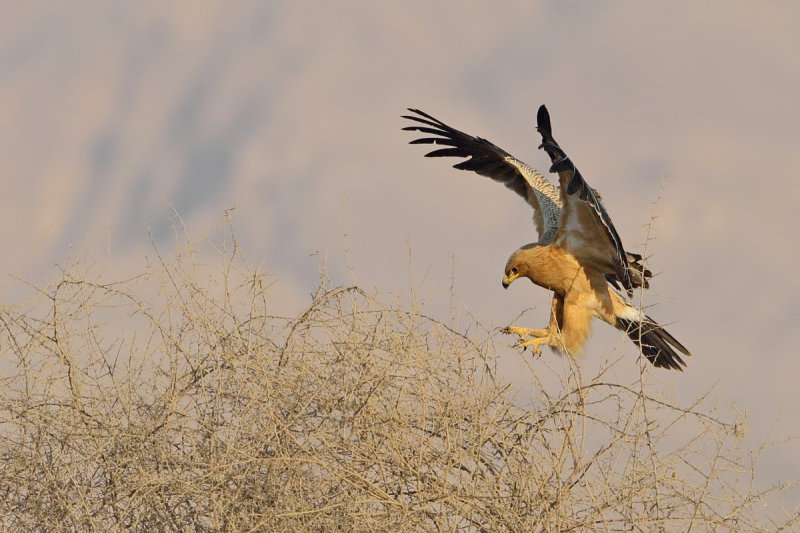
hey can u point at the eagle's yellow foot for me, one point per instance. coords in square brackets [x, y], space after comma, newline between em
[534, 343]
[525, 332]
[540, 336]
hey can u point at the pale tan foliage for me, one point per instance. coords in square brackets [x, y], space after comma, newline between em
[176, 401]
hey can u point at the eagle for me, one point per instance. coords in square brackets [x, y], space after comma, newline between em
[579, 255]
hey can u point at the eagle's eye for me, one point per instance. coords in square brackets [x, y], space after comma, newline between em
[514, 270]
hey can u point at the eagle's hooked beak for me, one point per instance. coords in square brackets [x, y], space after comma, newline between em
[507, 279]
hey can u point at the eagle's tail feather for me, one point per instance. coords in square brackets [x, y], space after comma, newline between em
[656, 343]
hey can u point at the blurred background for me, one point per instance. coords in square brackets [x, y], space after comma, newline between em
[116, 116]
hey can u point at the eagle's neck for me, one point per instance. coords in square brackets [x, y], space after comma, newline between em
[552, 268]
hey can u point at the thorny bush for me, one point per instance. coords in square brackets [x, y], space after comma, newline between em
[176, 401]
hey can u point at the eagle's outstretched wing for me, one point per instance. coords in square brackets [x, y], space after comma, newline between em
[489, 160]
[585, 230]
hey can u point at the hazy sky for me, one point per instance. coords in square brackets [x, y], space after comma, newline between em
[114, 113]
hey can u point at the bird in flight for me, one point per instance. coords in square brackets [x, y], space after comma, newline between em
[579, 255]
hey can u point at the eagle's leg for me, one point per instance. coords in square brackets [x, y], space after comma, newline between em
[526, 332]
[547, 336]
[540, 336]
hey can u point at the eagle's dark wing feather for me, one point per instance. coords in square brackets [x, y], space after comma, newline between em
[585, 229]
[487, 159]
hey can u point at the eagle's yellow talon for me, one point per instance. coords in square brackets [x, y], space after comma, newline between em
[513, 330]
[533, 343]
[540, 336]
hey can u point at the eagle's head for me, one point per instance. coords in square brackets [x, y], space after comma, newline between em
[518, 264]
